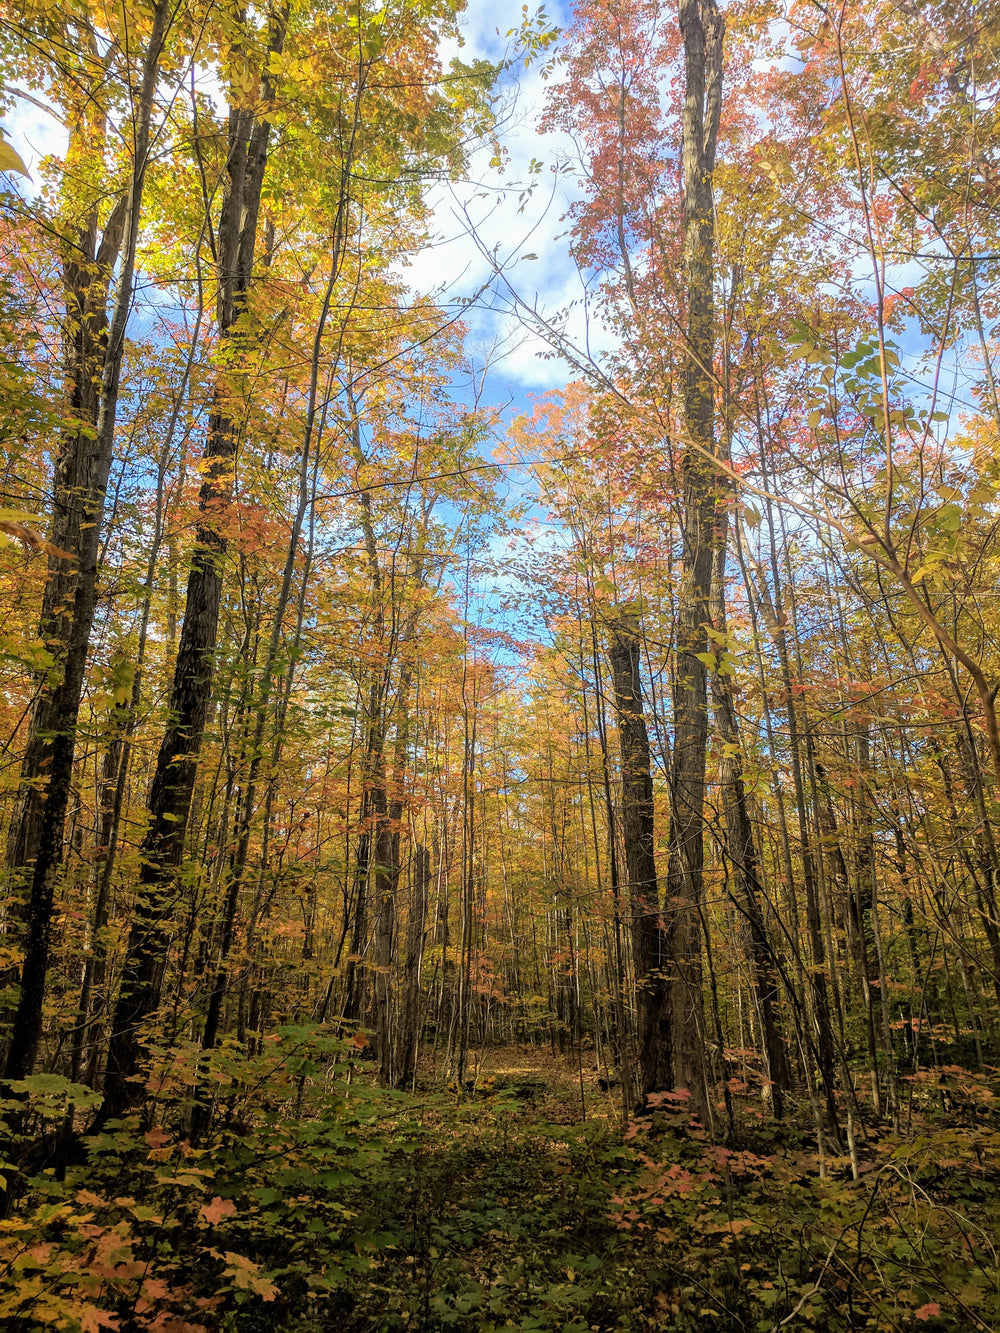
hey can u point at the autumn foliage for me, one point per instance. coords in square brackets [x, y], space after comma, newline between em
[486, 867]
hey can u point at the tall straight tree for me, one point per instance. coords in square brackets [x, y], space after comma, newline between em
[651, 939]
[93, 349]
[743, 853]
[356, 94]
[702, 29]
[177, 762]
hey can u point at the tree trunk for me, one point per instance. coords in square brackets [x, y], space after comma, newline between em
[702, 29]
[408, 1027]
[94, 354]
[652, 944]
[177, 761]
[741, 848]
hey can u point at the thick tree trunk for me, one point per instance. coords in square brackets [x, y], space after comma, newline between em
[408, 1027]
[387, 845]
[94, 353]
[388, 1017]
[619, 1035]
[372, 813]
[702, 30]
[176, 765]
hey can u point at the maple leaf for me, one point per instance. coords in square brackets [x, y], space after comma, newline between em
[214, 1212]
[248, 1277]
[93, 1320]
[927, 1311]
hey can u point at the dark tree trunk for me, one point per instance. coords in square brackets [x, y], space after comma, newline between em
[741, 849]
[372, 814]
[177, 761]
[408, 1027]
[651, 941]
[93, 353]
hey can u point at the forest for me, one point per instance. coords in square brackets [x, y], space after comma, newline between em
[499, 738]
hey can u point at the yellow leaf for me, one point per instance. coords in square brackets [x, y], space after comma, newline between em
[11, 160]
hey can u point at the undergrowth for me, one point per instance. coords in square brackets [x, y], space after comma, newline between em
[322, 1203]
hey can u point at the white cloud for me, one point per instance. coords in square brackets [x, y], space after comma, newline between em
[35, 134]
[495, 219]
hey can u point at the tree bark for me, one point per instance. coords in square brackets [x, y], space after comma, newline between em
[94, 353]
[177, 761]
[408, 1027]
[702, 29]
[652, 944]
[741, 848]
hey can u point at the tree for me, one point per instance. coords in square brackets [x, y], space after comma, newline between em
[94, 346]
[702, 32]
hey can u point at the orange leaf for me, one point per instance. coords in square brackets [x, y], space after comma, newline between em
[92, 1320]
[29, 537]
[215, 1211]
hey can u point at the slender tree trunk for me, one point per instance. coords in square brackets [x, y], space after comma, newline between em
[856, 911]
[741, 848]
[652, 943]
[777, 621]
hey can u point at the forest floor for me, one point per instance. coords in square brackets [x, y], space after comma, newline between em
[321, 1202]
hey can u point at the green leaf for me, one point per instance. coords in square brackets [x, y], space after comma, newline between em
[50, 1087]
[949, 518]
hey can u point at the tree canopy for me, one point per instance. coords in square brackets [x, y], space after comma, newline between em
[476, 857]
